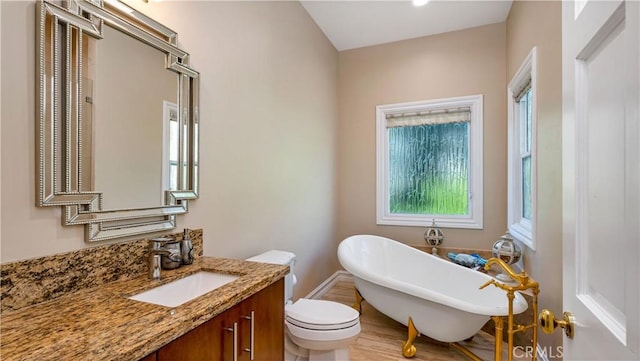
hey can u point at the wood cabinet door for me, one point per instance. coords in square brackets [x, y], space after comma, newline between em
[268, 334]
[216, 340]
[211, 341]
[197, 344]
[227, 335]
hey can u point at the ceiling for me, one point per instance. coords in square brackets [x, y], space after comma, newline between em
[351, 24]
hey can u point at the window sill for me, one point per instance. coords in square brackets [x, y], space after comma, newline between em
[415, 220]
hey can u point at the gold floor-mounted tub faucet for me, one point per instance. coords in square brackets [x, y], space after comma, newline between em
[523, 283]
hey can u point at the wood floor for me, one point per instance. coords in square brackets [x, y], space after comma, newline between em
[381, 338]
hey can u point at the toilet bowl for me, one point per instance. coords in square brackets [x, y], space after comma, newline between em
[315, 330]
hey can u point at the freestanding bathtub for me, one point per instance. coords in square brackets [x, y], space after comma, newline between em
[442, 298]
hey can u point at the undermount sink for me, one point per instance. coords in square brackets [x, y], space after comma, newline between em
[184, 289]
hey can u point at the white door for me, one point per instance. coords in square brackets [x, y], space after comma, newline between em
[600, 41]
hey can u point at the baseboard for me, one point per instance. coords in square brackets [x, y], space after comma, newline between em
[325, 286]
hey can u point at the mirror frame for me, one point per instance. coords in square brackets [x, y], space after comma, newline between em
[60, 28]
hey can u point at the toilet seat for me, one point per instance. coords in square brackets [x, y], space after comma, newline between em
[318, 320]
[321, 315]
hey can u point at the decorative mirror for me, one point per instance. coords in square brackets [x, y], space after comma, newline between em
[117, 113]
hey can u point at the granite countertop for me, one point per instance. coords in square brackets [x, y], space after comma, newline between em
[103, 324]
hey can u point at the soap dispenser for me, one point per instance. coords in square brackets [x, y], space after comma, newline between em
[186, 248]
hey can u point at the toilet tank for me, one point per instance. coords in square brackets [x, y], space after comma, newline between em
[282, 258]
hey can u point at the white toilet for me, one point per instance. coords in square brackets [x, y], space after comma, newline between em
[315, 330]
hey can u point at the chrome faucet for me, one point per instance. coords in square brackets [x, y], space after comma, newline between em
[154, 262]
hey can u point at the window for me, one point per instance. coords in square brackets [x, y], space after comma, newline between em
[522, 155]
[429, 163]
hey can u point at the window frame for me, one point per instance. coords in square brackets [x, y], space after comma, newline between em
[522, 229]
[473, 220]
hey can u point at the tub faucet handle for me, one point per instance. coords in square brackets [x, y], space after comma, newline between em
[489, 282]
[521, 278]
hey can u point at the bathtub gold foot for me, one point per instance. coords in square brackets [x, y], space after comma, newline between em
[358, 305]
[408, 349]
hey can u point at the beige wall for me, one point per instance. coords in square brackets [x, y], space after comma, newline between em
[459, 63]
[538, 23]
[268, 117]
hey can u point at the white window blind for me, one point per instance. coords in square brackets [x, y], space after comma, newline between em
[446, 116]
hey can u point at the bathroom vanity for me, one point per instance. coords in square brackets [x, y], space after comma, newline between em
[102, 323]
[252, 330]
